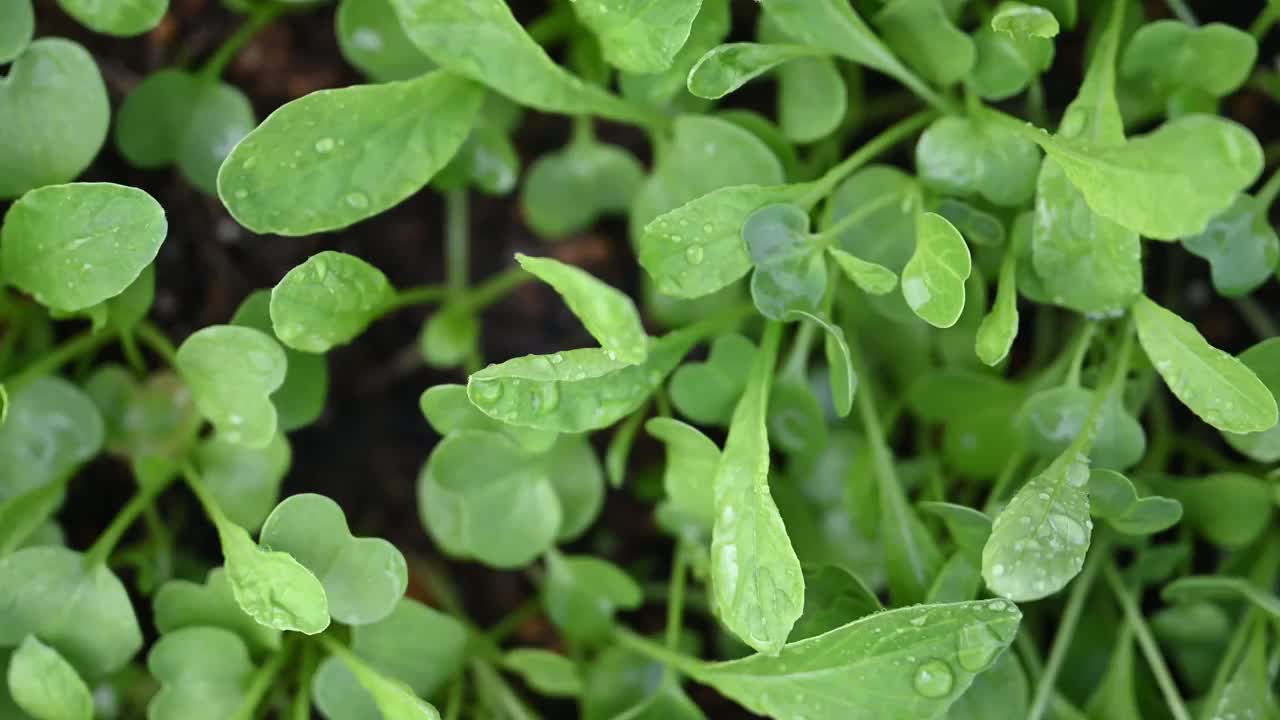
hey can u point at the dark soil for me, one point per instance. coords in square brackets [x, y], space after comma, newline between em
[367, 449]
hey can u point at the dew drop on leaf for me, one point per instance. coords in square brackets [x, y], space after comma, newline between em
[694, 255]
[933, 679]
[978, 647]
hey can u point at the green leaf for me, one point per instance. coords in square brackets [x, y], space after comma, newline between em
[692, 458]
[122, 18]
[221, 116]
[757, 583]
[301, 399]
[363, 578]
[155, 116]
[726, 68]
[52, 428]
[450, 337]
[1053, 418]
[45, 685]
[900, 664]
[394, 699]
[470, 483]
[921, 32]
[1228, 509]
[1024, 20]
[576, 390]
[182, 604]
[17, 25]
[968, 527]
[999, 327]
[447, 409]
[642, 36]
[484, 42]
[1165, 184]
[1264, 360]
[73, 246]
[82, 612]
[1248, 692]
[371, 39]
[1240, 245]
[394, 645]
[244, 480]
[1005, 64]
[840, 372]
[328, 301]
[1223, 391]
[545, 671]
[813, 99]
[204, 673]
[666, 89]
[582, 593]
[871, 278]
[623, 685]
[335, 157]
[706, 392]
[232, 372]
[833, 597]
[833, 26]
[54, 107]
[1197, 588]
[567, 190]
[999, 693]
[1114, 499]
[933, 280]
[608, 313]
[1115, 695]
[578, 480]
[1168, 55]
[271, 586]
[1038, 542]
[966, 157]
[790, 270]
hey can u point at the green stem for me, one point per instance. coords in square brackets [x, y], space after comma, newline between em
[453, 705]
[1182, 12]
[891, 136]
[300, 708]
[160, 344]
[1078, 354]
[1262, 575]
[1263, 23]
[1267, 194]
[675, 606]
[258, 19]
[1066, 627]
[677, 661]
[138, 504]
[129, 344]
[513, 620]
[1151, 651]
[417, 295]
[457, 254]
[495, 288]
[262, 681]
[801, 346]
[59, 356]
[1257, 318]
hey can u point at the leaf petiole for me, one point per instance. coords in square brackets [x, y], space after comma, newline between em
[1150, 650]
[260, 17]
[262, 681]
[137, 505]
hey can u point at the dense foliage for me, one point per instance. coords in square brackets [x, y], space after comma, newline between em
[906, 383]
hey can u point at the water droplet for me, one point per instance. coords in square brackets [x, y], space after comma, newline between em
[548, 397]
[357, 200]
[978, 646]
[1070, 529]
[997, 570]
[694, 254]
[324, 145]
[708, 228]
[249, 163]
[557, 359]
[241, 194]
[933, 679]
[487, 391]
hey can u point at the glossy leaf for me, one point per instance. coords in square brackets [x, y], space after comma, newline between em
[639, 37]
[1005, 65]
[999, 327]
[1113, 498]
[545, 671]
[53, 103]
[728, 67]
[232, 372]
[73, 246]
[666, 89]
[906, 663]
[121, 18]
[45, 685]
[1038, 542]
[968, 527]
[608, 314]
[1248, 692]
[363, 578]
[1223, 391]
[575, 390]
[182, 604]
[945, 57]
[335, 157]
[82, 612]
[872, 278]
[582, 594]
[204, 673]
[484, 42]
[968, 157]
[328, 301]
[999, 693]
[1241, 247]
[394, 645]
[757, 583]
[447, 409]
[1025, 20]
[370, 38]
[271, 586]
[1052, 419]
[1264, 360]
[933, 280]
[790, 271]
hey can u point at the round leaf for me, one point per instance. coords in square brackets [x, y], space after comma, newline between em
[52, 427]
[371, 39]
[232, 372]
[122, 18]
[328, 301]
[45, 685]
[204, 673]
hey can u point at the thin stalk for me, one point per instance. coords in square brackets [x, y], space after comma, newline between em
[453, 705]
[160, 344]
[457, 229]
[61, 355]
[137, 505]
[1262, 24]
[495, 288]
[1151, 651]
[675, 606]
[654, 651]
[300, 708]
[513, 620]
[1182, 12]
[1267, 194]
[1066, 630]
[1257, 318]
[129, 344]
[259, 18]
[801, 346]
[891, 136]
[1005, 478]
[1078, 354]
[262, 681]
[417, 295]
[1262, 575]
